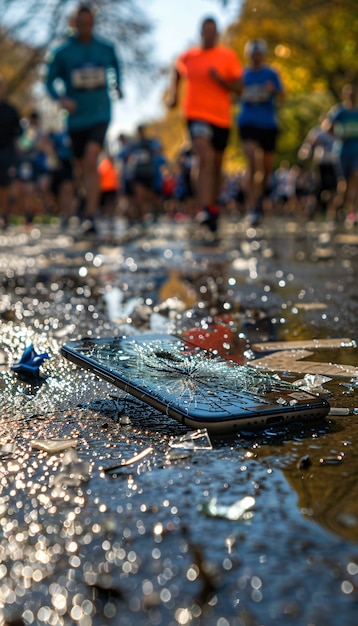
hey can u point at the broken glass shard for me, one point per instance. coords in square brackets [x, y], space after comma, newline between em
[196, 440]
[116, 307]
[132, 461]
[72, 472]
[53, 445]
[312, 381]
[7, 449]
[239, 510]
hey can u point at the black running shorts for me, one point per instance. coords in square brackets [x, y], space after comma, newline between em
[93, 134]
[265, 137]
[217, 136]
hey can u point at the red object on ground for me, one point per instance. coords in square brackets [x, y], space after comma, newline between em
[217, 336]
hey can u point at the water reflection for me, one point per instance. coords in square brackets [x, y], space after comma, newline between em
[328, 492]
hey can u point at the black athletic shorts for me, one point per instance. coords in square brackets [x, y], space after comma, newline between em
[62, 174]
[7, 166]
[80, 138]
[217, 135]
[265, 137]
[327, 177]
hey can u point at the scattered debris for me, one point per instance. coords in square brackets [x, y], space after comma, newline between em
[313, 382]
[304, 462]
[338, 410]
[125, 462]
[72, 473]
[291, 361]
[196, 440]
[275, 346]
[332, 460]
[239, 510]
[53, 446]
[30, 362]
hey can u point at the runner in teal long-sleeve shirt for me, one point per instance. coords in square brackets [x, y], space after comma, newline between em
[78, 77]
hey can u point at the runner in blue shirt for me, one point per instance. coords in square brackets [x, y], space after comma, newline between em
[144, 162]
[344, 124]
[257, 122]
[83, 64]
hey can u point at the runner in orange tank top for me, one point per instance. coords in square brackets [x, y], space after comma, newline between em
[109, 185]
[212, 72]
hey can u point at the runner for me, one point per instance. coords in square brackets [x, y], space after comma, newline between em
[320, 145]
[109, 184]
[344, 124]
[211, 71]
[32, 173]
[258, 125]
[10, 129]
[82, 64]
[145, 160]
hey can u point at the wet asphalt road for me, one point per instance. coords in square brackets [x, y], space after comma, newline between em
[145, 544]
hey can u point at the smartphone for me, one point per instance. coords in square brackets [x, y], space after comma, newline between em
[194, 386]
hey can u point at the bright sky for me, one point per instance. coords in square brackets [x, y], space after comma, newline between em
[177, 25]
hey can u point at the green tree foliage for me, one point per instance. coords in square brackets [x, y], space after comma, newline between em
[314, 46]
[29, 29]
[19, 75]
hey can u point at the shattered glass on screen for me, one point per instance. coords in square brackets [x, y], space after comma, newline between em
[187, 378]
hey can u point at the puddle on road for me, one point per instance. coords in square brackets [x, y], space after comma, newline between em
[80, 545]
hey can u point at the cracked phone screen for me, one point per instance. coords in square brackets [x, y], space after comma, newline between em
[185, 377]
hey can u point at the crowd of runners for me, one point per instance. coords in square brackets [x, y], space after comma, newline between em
[69, 172]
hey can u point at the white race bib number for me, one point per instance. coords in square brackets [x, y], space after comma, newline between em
[89, 77]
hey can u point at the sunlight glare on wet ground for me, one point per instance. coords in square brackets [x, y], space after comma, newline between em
[159, 539]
